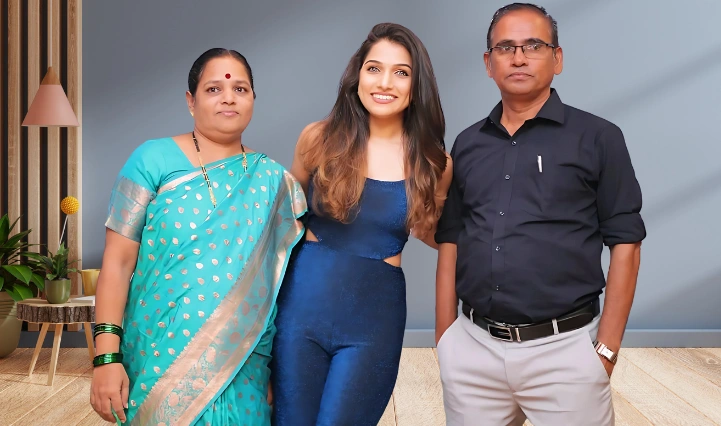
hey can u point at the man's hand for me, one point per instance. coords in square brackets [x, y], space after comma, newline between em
[607, 365]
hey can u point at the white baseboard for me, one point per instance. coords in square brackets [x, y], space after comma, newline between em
[639, 338]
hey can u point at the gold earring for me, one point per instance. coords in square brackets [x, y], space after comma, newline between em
[191, 114]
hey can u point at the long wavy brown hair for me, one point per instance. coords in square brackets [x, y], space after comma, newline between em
[337, 154]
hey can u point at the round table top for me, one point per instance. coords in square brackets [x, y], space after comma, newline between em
[42, 303]
[75, 310]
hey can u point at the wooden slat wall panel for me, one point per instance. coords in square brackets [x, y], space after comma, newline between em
[33, 148]
[33, 162]
[14, 105]
[54, 158]
[75, 158]
[51, 158]
[3, 76]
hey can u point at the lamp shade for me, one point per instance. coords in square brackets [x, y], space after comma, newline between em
[51, 107]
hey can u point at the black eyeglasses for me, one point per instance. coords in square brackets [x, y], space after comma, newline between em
[532, 51]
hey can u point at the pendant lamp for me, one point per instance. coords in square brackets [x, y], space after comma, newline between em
[50, 106]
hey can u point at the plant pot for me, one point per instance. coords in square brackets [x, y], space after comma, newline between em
[57, 291]
[90, 281]
[10, 326]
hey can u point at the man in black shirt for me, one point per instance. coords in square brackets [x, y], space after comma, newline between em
[539, 187]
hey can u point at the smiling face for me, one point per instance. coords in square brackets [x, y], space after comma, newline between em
[384, 83]
[222, 105]
[515, 73]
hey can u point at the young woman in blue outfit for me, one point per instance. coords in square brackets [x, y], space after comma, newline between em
[374, 171]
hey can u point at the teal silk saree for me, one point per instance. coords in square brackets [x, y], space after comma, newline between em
[199, 317]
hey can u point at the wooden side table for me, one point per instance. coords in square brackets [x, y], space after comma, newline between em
[74, 311]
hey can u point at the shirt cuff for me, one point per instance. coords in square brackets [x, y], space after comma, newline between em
[448, 235]
[626, 228]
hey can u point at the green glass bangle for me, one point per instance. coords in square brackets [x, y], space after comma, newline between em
[111, 358]
[108, 328]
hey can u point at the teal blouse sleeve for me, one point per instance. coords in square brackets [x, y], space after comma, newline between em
[135, 187]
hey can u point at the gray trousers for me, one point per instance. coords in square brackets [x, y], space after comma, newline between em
[557, 380]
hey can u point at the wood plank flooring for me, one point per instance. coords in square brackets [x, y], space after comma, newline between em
[650, 387]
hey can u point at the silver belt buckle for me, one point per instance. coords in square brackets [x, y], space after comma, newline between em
[502, 333]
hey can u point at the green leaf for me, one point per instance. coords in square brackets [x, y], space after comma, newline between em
[38, 281]
[48, 264]
[12, 293]
[21, 272]
[2, 281]
[34, 256]
[12, 225]
[23, 292]
[4, 228]
[51, 277]
[12, 241]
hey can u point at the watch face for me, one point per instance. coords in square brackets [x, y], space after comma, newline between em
[608, 354]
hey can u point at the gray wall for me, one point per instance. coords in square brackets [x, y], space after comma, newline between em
[654, 70]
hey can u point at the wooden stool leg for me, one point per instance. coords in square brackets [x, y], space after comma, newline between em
[56, 349]
[89, 339]
[38, 346]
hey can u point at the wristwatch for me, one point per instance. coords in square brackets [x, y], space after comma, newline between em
[603, 350]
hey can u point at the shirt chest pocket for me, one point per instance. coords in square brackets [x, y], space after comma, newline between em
[552, 184]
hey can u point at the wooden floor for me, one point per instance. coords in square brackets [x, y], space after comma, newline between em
[651, 387]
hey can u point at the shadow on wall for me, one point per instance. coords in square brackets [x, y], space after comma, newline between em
[566, 11]
[647, 90]
[687, 297]
[682, 199]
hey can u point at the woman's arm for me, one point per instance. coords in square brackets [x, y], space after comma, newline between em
[307, 138]
[110, 382]
[119, 259]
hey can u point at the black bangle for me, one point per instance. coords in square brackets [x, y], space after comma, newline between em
[107, 328]
[111, 358]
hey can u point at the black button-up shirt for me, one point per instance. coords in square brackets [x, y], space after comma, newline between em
[530, 213]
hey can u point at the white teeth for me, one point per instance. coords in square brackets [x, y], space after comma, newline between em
[384, 97]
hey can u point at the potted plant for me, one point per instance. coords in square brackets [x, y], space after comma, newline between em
[18, 281]
[57, 268]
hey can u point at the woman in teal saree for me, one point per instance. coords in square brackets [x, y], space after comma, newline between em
[211, 244]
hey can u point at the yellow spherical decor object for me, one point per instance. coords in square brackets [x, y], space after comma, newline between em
[70, 205]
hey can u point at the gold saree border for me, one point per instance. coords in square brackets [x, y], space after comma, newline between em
[192, 175]
[203, 369]
[178, 181]
[128, 204]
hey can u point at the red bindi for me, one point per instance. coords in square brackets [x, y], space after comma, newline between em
[227, 76]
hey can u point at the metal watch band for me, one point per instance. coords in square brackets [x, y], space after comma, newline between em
[605, 352]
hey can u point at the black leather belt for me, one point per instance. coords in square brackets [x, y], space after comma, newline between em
[522, 333]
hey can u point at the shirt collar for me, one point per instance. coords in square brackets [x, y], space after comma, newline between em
[553, 109]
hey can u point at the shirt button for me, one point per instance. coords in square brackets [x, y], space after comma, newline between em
[498, 248]
[508, 177]
[513, 143]
[501, 213]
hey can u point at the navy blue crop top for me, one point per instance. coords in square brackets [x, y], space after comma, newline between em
[378, 226]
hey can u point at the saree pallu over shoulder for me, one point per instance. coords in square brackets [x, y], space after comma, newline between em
[206, 284]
